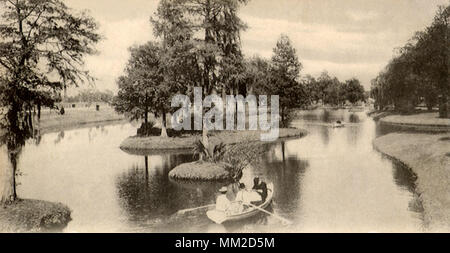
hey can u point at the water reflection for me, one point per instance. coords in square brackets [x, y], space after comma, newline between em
[354, 118]
[330, 180]
[149, 197]
[59, 137]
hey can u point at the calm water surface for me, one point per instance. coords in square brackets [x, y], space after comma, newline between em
[332, 180]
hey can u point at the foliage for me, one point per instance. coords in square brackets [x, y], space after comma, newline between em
[331, 91]
[146, 128]
[256, 75]
[42, 49]
[236, 157]
[212, 153]
[202, 41]
[284, 71]
[420, 70]
[141, 89]
[92, 95]
[353, 91]
[241, 155]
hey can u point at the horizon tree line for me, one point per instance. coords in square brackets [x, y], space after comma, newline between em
[198, 45]
[419, 72]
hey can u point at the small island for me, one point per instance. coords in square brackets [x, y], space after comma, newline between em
[186, 142]
[213, 167]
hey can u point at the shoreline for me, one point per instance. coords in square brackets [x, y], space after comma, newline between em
[136, 144]
[80, 125]
[428, 157]
[31, 216]
[52, 122]
[421, 121]
[425, 151]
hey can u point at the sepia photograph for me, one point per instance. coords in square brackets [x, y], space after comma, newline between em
[224, 117]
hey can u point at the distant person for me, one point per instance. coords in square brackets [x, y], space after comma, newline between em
[261, 187]
[222, 202]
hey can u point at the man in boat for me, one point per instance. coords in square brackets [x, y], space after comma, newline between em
[222, 202]
[243, 198]
[260, 187]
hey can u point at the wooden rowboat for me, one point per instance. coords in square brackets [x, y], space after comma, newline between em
[220, 217]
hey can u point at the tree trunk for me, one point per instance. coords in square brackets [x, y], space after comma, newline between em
[146, 116]
[205, 139]
[164, 125]
[30, 120]
[7, 178]
[443, 106]
[39, 111]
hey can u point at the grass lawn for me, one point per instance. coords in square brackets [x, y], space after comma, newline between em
[52, 121]
[424, 118]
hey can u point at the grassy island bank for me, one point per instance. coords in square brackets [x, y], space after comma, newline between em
[428, 156]
[423, 121]
[200, 171]
[26, 215]
[155, 143]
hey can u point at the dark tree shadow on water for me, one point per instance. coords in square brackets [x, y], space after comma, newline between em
[286, 173]
[151, 200]
[406, 179]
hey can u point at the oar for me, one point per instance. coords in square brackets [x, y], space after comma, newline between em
[193, 209]
[274, 215]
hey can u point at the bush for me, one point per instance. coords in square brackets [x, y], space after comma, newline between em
[148, 129]
[214, 154]
[238, 156]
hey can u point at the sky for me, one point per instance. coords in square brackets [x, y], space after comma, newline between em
[347, 38]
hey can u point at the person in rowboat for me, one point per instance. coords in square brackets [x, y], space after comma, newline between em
[237, 205]
[260, 187]
[244, 197]
[222, 201]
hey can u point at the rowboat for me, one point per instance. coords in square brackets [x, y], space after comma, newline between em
[337, 124]
[220, 217]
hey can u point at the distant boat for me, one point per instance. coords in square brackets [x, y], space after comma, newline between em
[220, 217]
[337, 124]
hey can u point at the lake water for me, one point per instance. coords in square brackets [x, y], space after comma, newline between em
[332, 180]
